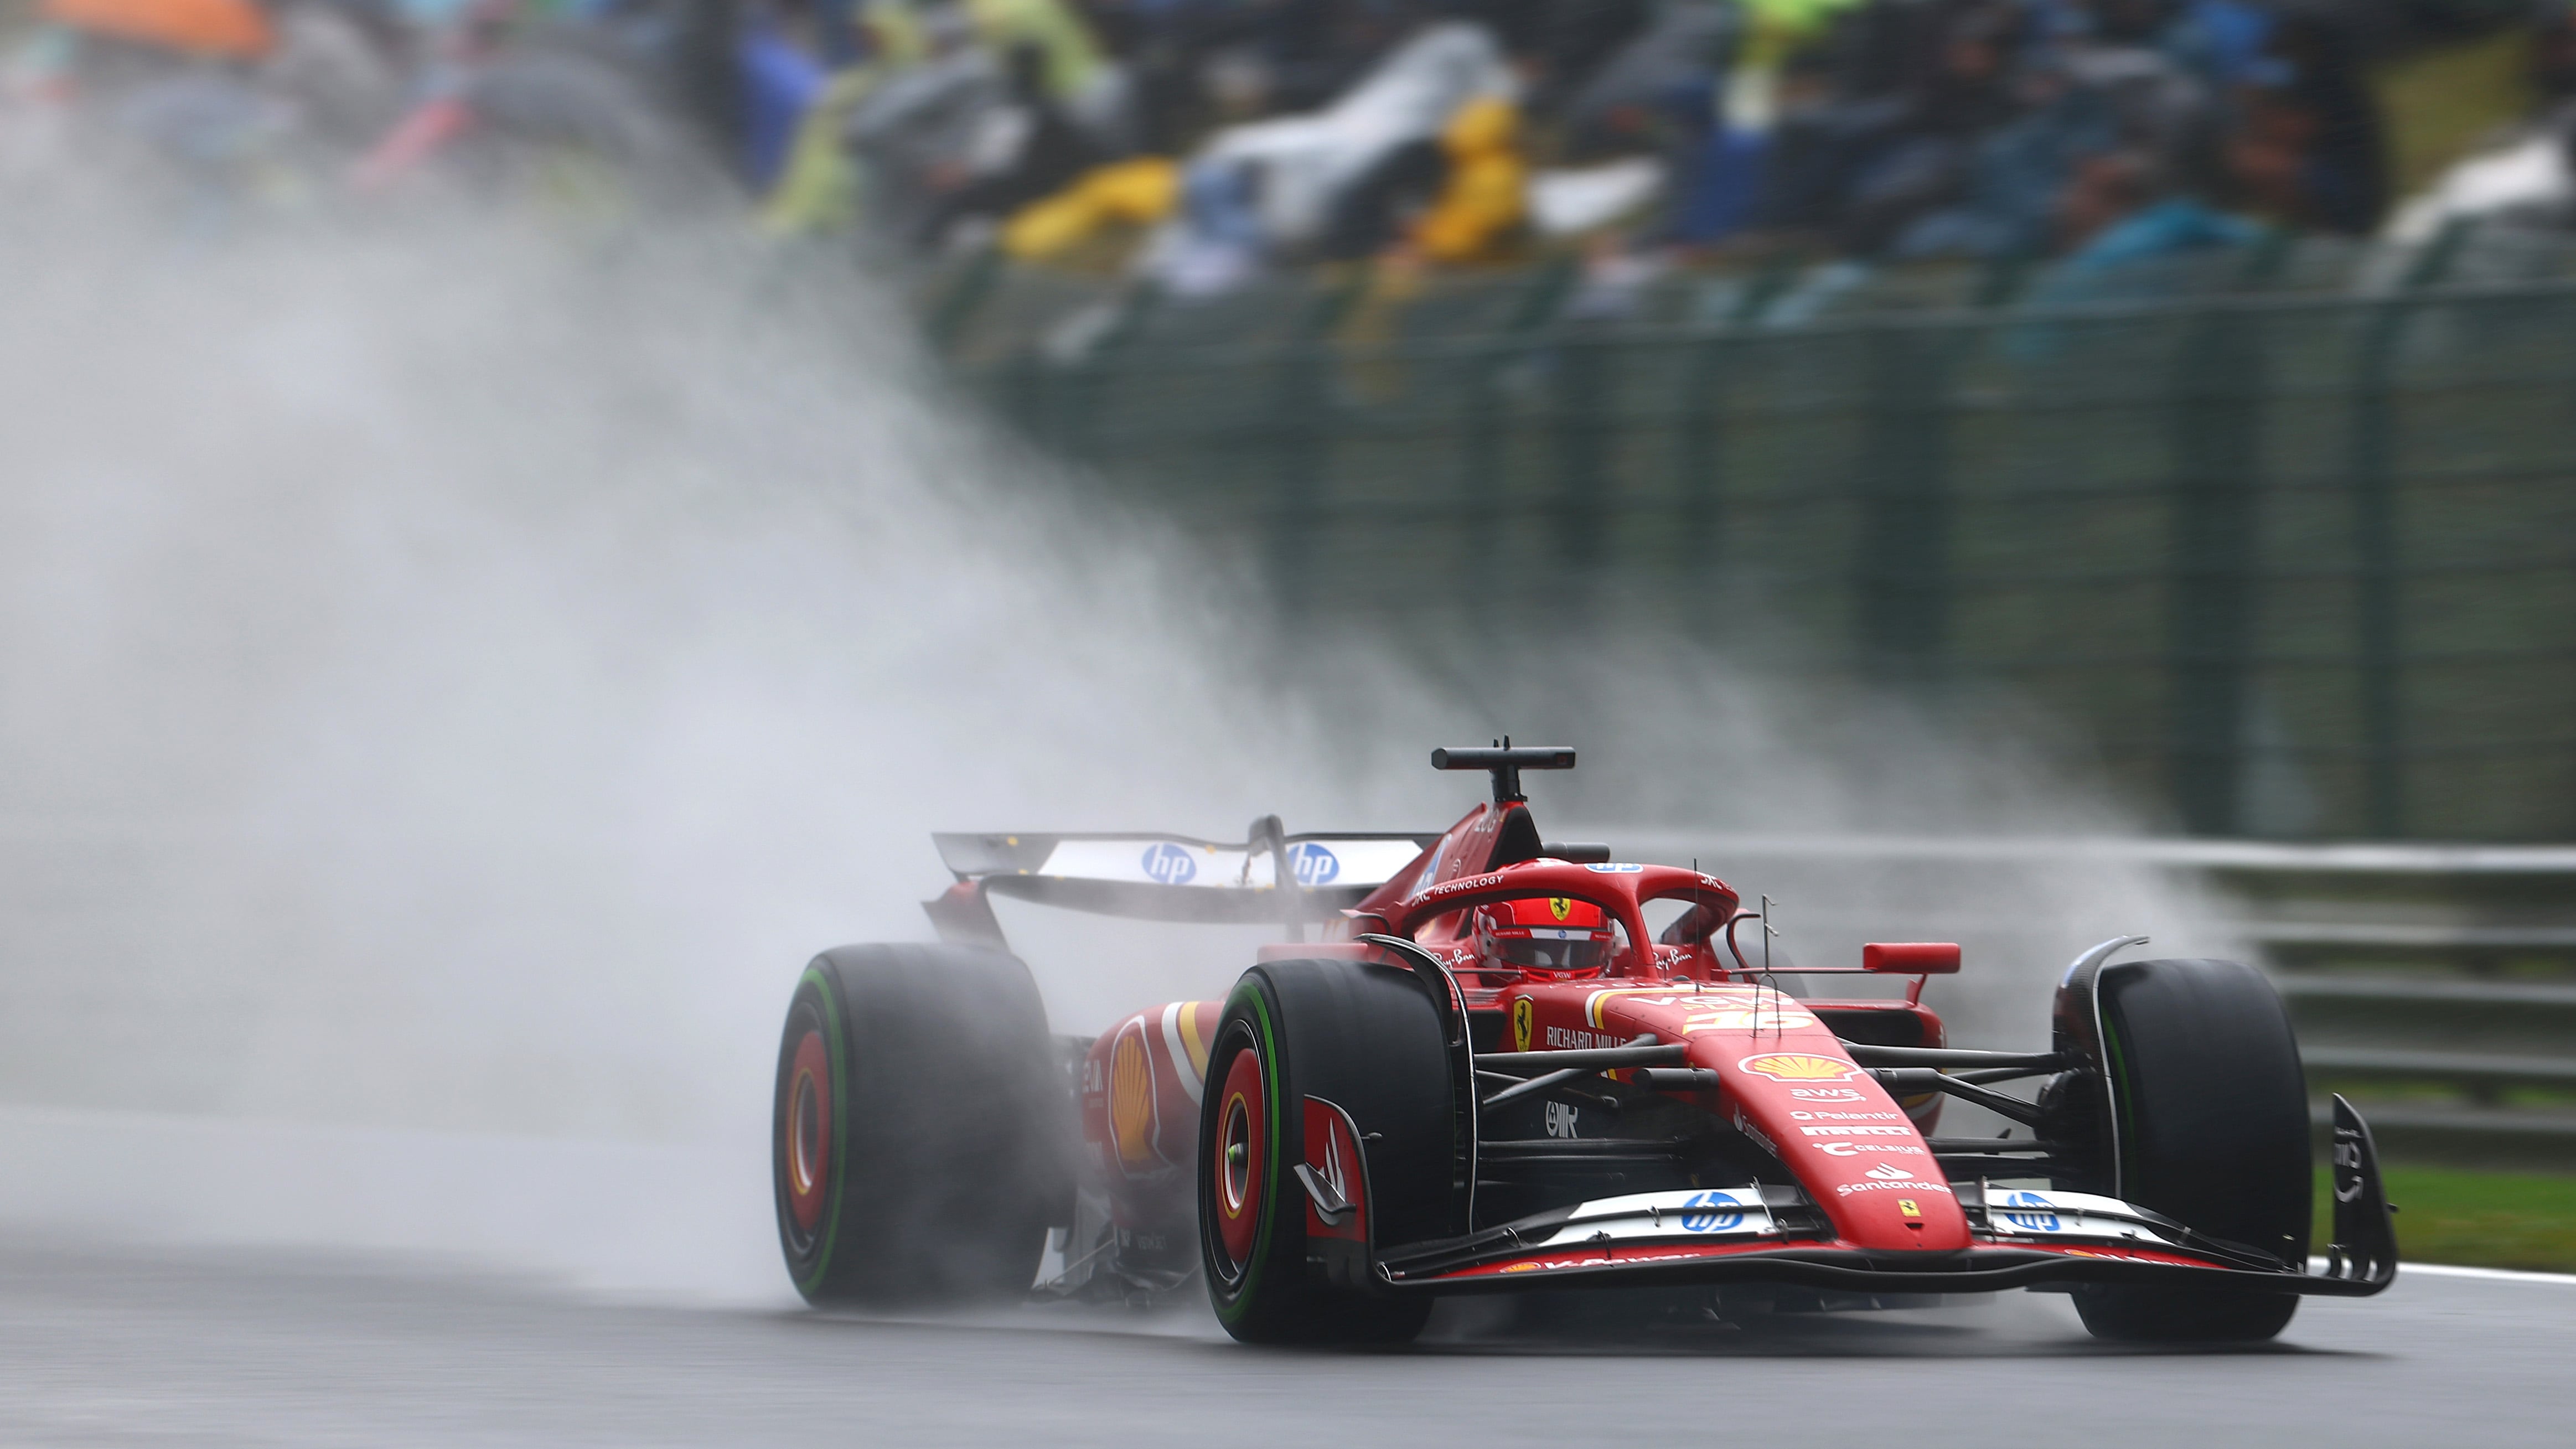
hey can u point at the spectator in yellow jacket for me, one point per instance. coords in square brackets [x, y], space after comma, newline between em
[1483, 204]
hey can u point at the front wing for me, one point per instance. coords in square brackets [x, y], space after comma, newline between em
[2024, 1238]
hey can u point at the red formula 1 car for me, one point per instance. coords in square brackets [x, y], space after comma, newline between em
[1507, 1065]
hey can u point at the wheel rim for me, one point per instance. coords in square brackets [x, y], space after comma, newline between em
[1239, 1162]
[808, 1124]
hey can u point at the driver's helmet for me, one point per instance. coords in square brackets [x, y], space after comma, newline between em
[1544, 933]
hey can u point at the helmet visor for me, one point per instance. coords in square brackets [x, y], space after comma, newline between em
[1577, 951]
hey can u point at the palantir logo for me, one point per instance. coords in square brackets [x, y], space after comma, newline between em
[1171, 864]
[1711, 1212]
[1313, 864]
[2039, 1222]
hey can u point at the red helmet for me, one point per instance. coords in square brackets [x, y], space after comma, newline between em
[1544, 933]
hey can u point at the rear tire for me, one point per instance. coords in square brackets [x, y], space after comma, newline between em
[1367, 1039]
[2213, 1132]
[920, 1147]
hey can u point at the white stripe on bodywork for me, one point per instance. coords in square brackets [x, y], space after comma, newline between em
[2054, 1214]
[1188, 1072]
[1665, 1215]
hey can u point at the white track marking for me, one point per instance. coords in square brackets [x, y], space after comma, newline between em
[2510, 1275]
[2448, 1270]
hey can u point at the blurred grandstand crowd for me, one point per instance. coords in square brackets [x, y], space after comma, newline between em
[245, 106]
[1200, 143]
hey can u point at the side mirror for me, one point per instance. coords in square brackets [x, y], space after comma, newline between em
[1911, 958]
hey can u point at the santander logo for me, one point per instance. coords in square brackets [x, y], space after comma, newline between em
[1886, 1172]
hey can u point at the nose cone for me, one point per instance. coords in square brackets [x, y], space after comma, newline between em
[1851, 1145]
[1897, 1203]
[1787, 1084]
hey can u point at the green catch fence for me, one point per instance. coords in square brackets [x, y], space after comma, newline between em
[2287, 533]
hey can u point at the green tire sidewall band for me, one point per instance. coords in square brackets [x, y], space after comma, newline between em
[1235, 1306]
[2124, 1117]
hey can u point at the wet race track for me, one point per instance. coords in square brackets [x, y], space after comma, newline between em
[103, 1346]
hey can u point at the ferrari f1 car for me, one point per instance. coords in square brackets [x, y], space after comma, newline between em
[1503, 1064]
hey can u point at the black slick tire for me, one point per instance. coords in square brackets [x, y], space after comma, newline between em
[923, 1128]
[2212, 1130]
[1368, 1040]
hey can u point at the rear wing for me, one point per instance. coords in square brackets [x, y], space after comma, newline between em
[1269, 877]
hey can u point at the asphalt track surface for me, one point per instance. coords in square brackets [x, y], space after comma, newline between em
[108, 1345]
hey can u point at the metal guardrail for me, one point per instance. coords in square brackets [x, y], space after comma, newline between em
[2374, 988]
[2400, 935]
[2451, 1065]
[2456, 972]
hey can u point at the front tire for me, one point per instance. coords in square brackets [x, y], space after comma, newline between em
[1367, 1040]
[2212, 1129]
[920, 1144]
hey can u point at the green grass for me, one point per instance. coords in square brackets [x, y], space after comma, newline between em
[2479, 1219]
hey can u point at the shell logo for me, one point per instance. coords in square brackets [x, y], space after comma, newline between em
[1131, 1100]
[1798, 1067]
